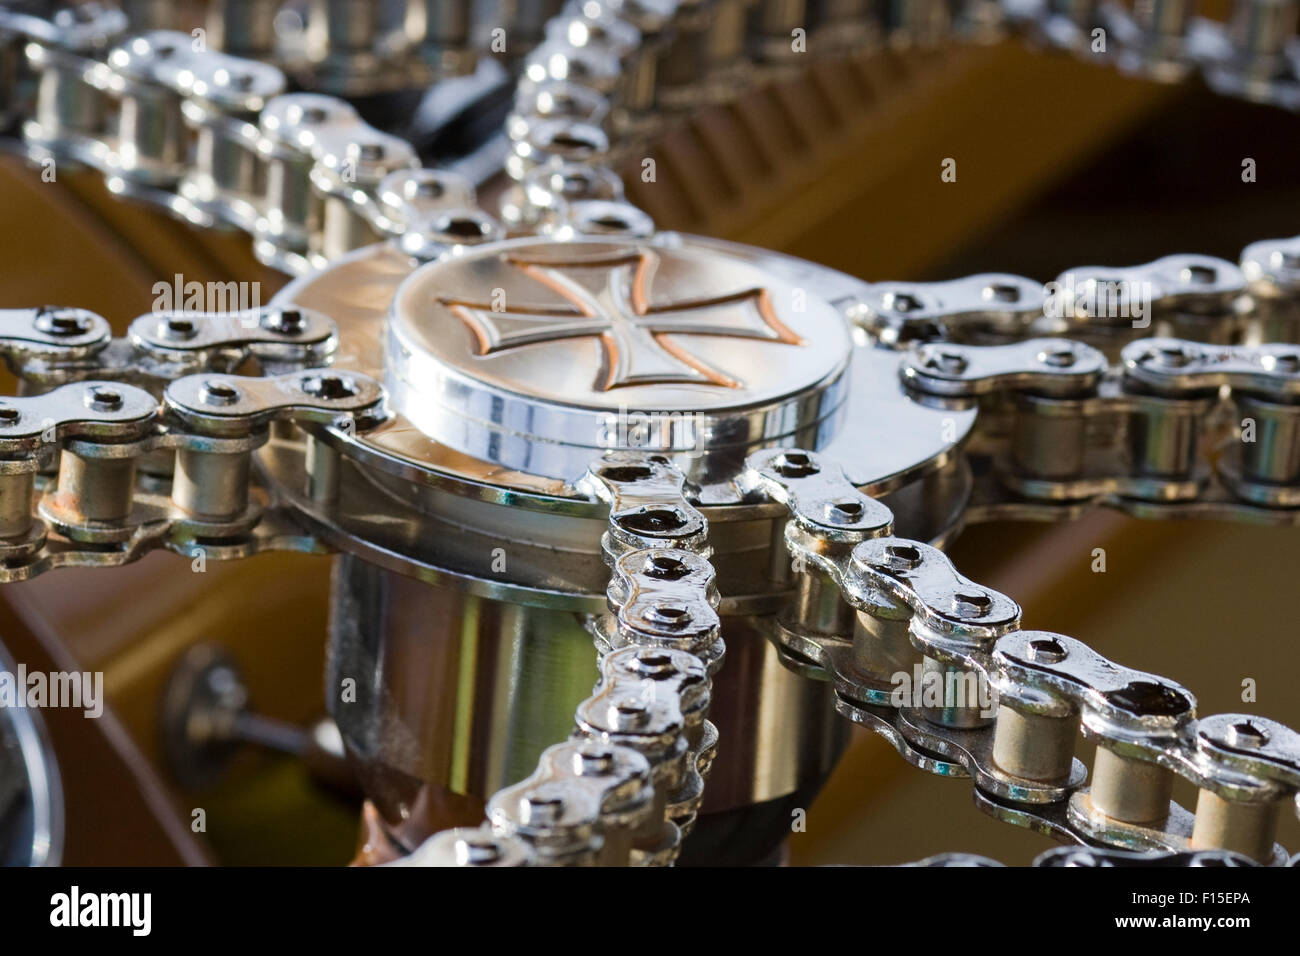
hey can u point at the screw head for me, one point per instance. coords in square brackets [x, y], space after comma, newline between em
[62, 323]
[902, 557]
[670, 615]
[796, 464]
[1246, 734]
[457, 229]
[652, 662]
[366, 152]
[476, 851]
[665, 567]
[971, 604]
[845, 512]
[1046, 650]
[216, 392]
[103, 399]
[653, 521]
[902, 302]
[1287, 363]
[285, 321]
[621, 474]
[595, 760]
[536, 808]
[178, 327]
[1058, 358]
[329, 387]
[947, 361]
[1170, 357]
[629, 714]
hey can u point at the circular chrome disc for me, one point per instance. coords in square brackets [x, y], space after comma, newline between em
[512, 365]
[538, 355]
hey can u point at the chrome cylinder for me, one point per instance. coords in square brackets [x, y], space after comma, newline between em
[1163, 439]
[243, 27]
[442, 698]
[1273, 457]
[1034, 746]
[97, 489]
[211, 484]
[17, 491]
[1246, 828]
[960, 688]
[1130, 790]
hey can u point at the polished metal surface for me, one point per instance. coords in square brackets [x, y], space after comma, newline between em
[899, 441]
[31, 795]
[458, 695]
[603, 433]
[673, 347]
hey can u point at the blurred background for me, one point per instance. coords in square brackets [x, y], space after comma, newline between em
[1059, 164]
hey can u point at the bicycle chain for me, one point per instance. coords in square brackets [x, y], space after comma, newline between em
[146, 441]
[213, 138]
[870, 606]
[626, 787]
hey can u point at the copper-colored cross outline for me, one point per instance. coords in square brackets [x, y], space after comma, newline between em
[638, 344]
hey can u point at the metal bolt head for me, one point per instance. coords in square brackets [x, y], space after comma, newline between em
[218, 393]
[1061, 357]
[594, 760]
[329, 387]
[947, 361]
[665, 567]
[844, 512]
[628, 714]
[298, 114]
[1084, 858]
[1169, 357]
[178, 328]
[902, 557]
[1247, 735]
[367, 152]
[971, 604]
[1286, 363]
[901, 302]
[653, 663]
[103, 398]
[622, 474]
[669, 615]
[796, 464]
[476, 851]
[1047, 650]
[653, 521]
[540, 809]
[285, 321]
[62, 323]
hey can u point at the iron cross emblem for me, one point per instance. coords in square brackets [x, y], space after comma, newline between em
[610, 299]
